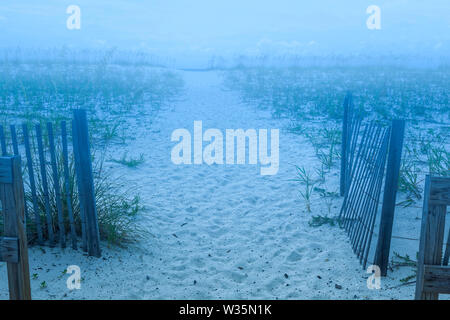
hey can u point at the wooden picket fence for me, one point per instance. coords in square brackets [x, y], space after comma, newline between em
[433, 271]
[370, 157]
[39, 211]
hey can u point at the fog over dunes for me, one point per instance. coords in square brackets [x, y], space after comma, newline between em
[191, 33]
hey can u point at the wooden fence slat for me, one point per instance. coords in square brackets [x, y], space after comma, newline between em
[390, 193]
[436, 279]
[5, 171]
[81, 195]
[65, 156]
[12, 198]
[43, 163]
[56, 186]
[37, 217]
[440, 193]
[14, 140]
[15, 145]
[9, 249]
[344, 144]
[2, 140]
[422, 243]
[87, 181]
[447, 250]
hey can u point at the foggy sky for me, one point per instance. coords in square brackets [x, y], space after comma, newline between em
[225, 27]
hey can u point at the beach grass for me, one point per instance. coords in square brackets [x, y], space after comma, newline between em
[120, 98]
[311, 98]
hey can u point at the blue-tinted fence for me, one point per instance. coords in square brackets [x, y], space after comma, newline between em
[52, 169]
[370, 159]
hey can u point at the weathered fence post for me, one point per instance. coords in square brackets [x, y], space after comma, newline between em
[13, 247]
[389, 196]
[432, 277]
[85, 180]
[345, 143]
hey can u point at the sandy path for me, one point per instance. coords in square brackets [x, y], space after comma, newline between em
[217, 231]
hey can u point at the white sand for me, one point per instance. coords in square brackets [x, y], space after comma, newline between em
[220, 231]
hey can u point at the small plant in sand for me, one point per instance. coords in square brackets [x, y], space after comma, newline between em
[438, 159]
[398, 261]
[321, 173]
[130, 162]
[409, 183]
[329, 152]
[318, 221]
[305, 178]
[328, 197]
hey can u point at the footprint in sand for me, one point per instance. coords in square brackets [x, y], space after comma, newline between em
[179, 268]
[198, 262]
[237, 277]
[253, 200]
[295, 255]
[217, 232]
[274, 284]
[284, 204]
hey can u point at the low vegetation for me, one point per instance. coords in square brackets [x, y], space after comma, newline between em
[120, 98]
[312, 98]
